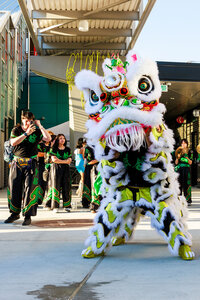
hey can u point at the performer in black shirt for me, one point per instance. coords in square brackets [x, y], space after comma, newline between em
[43, 158]
[43, 149]
[59, 175]
[90, 175]
[23, 177]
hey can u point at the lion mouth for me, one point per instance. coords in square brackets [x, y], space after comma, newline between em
[122, 118]
[123, 135]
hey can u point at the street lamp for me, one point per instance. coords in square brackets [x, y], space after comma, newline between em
[196, 113]
[83, 25]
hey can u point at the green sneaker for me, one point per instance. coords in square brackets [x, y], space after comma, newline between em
[88, 253]
[186, 253]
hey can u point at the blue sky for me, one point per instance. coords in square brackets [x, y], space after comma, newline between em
[172, 32]
[10, 5]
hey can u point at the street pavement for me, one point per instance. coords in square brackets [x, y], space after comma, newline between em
[46, 263]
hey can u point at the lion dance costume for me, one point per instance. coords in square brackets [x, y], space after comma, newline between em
[133, 147]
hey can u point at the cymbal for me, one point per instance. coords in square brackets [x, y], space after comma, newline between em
[180, 151]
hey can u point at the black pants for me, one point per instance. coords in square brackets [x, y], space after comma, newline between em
[86, 196]
[24, 191]
[60, 181]
[185, 182]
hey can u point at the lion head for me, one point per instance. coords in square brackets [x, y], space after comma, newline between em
[124, 103]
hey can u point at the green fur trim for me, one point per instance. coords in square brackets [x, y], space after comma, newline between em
[144, 193]
[128, 230]
[158, 155]
[98, 243]
[110, 213]
[174, 235]
[161, 206]
[158, 133]
[126, 194]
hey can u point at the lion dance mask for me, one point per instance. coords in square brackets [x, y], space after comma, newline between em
[133, 147]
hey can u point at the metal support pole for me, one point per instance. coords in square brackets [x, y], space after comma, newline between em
[28, 70]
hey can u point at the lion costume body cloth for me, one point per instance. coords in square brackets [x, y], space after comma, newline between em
[133, 146]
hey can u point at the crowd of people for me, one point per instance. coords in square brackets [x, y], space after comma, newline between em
[40, 171]
[86, 165]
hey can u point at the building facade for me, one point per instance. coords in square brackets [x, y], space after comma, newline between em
[20, 90]
[13, 71]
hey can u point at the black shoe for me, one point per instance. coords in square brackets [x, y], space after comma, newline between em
[94, 207]
[12, 218]
[67, 209]
[27, 221]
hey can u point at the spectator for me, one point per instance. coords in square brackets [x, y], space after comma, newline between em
[59, 174]
[43, 150]
[83, 150]
[89, 177]
[23, 176]
[46, 173]
[183, 162]
[79, 164]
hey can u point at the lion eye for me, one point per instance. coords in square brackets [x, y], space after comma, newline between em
[94, 99]
[145, 85]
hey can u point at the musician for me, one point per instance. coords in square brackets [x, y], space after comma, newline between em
[183, 162]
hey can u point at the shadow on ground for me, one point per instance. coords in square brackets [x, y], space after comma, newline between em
[52, 292]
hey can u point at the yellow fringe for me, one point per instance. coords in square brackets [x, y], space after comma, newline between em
[70, 73]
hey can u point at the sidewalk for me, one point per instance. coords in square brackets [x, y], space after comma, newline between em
[45, 263]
